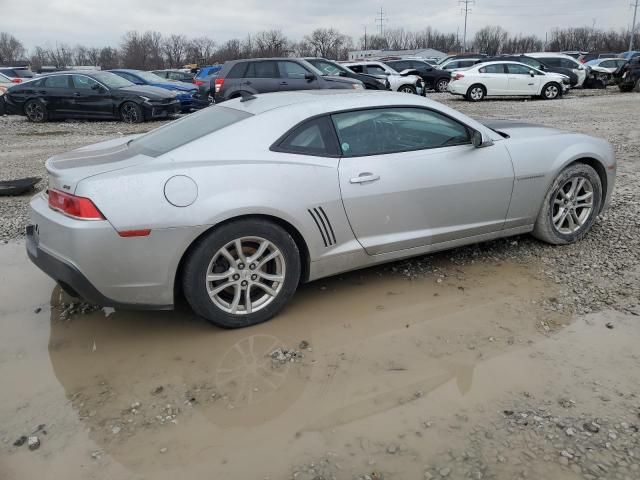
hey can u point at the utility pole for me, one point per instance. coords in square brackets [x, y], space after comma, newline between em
[633, 26]
[466, 9]
[365, 37]
[381, 20]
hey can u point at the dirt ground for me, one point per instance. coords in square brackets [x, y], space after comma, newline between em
[506, 360]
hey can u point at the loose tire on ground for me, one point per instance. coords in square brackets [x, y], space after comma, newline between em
[545, 228]
[206, 270]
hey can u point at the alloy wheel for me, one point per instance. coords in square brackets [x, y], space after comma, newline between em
[551, 92]
[476, 93]
[129, 113]
[245, 275]
[442, 86]
[35, 112]
[572, 205]
[406, 90]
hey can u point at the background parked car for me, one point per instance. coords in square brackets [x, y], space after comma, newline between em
[5, 83]
[448, 58]
[175, 75]
[628, 76]
[458, 63]
[399, 82]
[331, 68]
[184, 92]
[17, 74]
[434, 78]
[507, 79]
[89, 94]
[596, 56]
[204, 73]
[266, 75]
[564, 61]
[610, 64]
[535, 63]
[630, 54]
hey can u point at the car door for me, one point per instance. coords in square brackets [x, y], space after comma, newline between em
[521, 82]
[495, 79]
[410, 177]
[262, 76]
[57, 94]
[294, 76]
[90, 98]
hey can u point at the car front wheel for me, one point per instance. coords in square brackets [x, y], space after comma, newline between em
[131, 113]
[476, 93]
[242, 273]
[570, 207]
[551, 91]
[407, 89]
[441, 85]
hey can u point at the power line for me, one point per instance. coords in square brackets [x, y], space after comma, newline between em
[466, 9]
[381, 20]
[633, 25]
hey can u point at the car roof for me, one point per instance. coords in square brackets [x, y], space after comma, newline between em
[318, 101]
[548, 55]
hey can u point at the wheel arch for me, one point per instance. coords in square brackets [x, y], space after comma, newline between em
[305, 258]
[600, 169]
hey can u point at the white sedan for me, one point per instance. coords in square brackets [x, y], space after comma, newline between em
[507, 79]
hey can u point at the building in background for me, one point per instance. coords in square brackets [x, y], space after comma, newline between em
[429, 53]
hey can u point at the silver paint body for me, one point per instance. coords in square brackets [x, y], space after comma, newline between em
[423, 201]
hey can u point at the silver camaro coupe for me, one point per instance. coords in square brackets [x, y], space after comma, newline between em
[234, 206]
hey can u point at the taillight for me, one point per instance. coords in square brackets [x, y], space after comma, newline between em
[16, 80]
[457, 76]
[199, 83]
[73, 206]
[218, 84]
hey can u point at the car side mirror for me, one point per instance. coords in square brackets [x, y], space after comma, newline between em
[478, 140]
[95, 86]
[532, 73]
[309, 77]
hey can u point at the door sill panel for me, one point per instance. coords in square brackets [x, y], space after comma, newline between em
[360, 259]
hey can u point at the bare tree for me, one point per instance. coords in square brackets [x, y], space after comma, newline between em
[11, 49]
[326, 42]
[200, 50]
[271, 43]
[175, 48]
[490, 40]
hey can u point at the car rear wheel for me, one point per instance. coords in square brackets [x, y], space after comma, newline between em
[551, 91]
[36, 111]
[242, 273]
[570, 207]
[407, 89]
[476, 93]
[131, 113]
[441, 85]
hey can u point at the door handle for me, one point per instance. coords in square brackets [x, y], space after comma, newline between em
[284, 83]
[76, 94]
[246, 83]
[365, 177]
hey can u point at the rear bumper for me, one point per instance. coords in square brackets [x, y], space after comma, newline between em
[91, 258]
[72, 280]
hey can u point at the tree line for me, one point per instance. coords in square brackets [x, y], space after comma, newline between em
[153, 50]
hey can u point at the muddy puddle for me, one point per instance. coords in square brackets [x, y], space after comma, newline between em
[387, 376]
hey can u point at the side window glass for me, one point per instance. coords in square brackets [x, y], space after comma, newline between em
[313, 137]
[357, 68]
[375, 70]
[292, 70]
[495, 68]
[82, 82]
[262, 70]
[451, 65]
[237, 71]
[389, 130]
[553, 62]
[517, 69]
[57, 81]
[566, 63]
[129, 77]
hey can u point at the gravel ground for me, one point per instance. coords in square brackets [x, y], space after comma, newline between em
[601, 271]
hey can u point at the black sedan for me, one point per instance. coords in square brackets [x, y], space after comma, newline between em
[89, 94]
[434, 78]
[329, 67]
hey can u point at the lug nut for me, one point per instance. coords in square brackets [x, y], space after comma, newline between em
[252, 266]
[254, 277]
[236, 277]
[244, 283]
[241, 266]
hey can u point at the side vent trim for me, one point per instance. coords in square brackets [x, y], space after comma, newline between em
[325, 228]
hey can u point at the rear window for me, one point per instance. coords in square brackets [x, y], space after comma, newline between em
[185, 130]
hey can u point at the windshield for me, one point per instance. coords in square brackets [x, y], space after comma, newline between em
[328, 68]
[111, 80]
[151, 77]
[187, 129]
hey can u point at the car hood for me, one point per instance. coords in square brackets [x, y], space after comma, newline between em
[516, 129]
[177, 86]
[148, 91]
[336, 79]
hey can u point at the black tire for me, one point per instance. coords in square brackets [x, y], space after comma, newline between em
[476, 93]
[3, 108]
[551, 91]
[545, 229]
[130, 112]
[407, 89]
[197, 264]
[625, 88]
[36, 111]
[636, 88]
[441, 85]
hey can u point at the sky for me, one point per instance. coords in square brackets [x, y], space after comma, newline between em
[103, 22]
